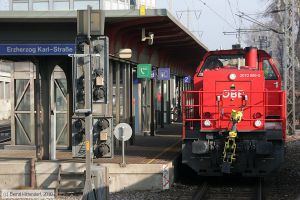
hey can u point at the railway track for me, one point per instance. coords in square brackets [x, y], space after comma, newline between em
[227, 189]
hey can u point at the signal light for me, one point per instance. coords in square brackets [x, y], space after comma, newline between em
[257, 123]
[257, 115]
[207, 123]
[232, 77]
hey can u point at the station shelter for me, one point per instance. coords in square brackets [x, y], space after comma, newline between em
[41, 79]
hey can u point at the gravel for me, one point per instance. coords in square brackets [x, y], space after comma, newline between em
[285, 185]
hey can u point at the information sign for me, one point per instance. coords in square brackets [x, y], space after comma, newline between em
[36, 49]
[187, 79]
[163, 74]
[144, 70]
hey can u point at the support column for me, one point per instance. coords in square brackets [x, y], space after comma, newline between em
[117, 92]
[131, 113]
[152, 111]
[10, 4]
[30, 5]
[45, 107]
[168, 102]
[110, 88]
[162, 105]
[51, 6]
[38, 130]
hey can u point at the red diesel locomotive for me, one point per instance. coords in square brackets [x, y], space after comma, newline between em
[234, 120]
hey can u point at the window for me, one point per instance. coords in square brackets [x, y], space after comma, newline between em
[268, 71]
[7, 90]
[1, 89]
[223, 61]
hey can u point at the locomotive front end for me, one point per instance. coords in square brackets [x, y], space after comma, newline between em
[228, 121]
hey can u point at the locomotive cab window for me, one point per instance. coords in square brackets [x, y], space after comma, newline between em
[268, 71]
[215, 62]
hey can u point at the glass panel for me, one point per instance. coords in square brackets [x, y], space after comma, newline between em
[61, 119]
[7, 90]
[1, 90]
[5, 67]
[41, 6]
[60, 96]
[61, 6]
[20, 85]
[21, 137]
[79, 5]
[219, 61]
[4, 5]
[268, 71]
[20, 6]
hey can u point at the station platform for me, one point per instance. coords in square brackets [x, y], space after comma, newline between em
[150, 164]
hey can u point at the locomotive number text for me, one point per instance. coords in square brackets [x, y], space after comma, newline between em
[249, 75]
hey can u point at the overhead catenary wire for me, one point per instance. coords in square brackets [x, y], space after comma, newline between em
[216, 13]
[230, 7]
[248, 18]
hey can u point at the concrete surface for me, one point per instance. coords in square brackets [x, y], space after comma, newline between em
[17, 173]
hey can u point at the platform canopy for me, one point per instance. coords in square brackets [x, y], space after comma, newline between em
[173, 44]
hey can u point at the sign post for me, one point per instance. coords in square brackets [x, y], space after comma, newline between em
[123, 132]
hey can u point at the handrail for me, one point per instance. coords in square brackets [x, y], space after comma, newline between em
[188, 107]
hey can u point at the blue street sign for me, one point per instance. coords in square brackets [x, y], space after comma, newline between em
[187, 79]
[163, 74]
[36, 49]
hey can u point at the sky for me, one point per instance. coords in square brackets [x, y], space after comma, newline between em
[211, 24]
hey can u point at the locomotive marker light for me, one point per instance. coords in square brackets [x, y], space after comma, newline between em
[207, 123]
[257, 123]
[123, 132]
[232, 77]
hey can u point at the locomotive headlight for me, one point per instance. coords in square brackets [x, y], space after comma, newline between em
[207, 123]
[257, 123]
[232, 77]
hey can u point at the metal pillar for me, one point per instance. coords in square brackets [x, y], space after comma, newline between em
[168, 102]
[152, 115]
[162, 109]
[117, 92]
[131, 106]
[38, 138]
[110, 88]
[45, 107]
[53, 120]
[30, 5]
[289, 62]
[146, 106]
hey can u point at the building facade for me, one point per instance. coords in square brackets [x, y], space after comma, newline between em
[49, 5]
